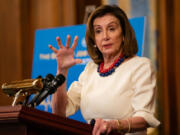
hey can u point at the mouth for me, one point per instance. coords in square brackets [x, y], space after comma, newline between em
[107, 45]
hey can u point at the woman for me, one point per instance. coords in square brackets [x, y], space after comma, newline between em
[117, 88]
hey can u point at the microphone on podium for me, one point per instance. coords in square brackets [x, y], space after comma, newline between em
[46, 81]
[26, 87]
[48, 90]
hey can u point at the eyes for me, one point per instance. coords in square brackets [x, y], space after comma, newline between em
[99, 29]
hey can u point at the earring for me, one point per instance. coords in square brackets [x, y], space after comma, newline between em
[94, 46]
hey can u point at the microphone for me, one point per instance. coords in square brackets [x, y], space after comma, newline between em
[46, 81]
[48, 90]
[24, 87]
[92, 122]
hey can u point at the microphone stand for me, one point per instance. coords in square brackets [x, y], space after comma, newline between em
[16, 97]
[26, 100]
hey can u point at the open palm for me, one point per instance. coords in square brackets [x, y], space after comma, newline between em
[65, 54]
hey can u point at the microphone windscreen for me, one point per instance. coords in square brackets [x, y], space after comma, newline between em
[58, 80]
[49, 78]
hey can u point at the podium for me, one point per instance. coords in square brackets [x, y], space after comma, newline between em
[21, 120]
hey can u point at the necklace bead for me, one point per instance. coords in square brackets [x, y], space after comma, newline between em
[106, 72]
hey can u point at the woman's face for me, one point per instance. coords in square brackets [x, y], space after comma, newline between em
[108, 35]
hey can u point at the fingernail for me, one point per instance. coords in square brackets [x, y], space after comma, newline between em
[76, 37]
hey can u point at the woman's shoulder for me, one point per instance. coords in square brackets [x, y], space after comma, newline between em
[139, 60]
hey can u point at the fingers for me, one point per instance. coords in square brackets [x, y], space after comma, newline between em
[59, 42]
[101, 127]
[53, 49]
[96, 127]
[68, 42]
[75, 42]
[108, 131]
[78, 61]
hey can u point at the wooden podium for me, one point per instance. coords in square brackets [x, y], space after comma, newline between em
[20, 120]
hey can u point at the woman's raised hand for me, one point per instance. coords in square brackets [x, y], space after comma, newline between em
[65, 54]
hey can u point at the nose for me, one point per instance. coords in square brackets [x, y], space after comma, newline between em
[105, 35]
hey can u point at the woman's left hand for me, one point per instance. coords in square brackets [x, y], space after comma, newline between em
[103, 127]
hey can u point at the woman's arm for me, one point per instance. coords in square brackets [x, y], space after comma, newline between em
[133, 124]
[128, 125]
[59, 99]
[65, 60]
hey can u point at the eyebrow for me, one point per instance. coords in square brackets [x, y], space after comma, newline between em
[113, 22]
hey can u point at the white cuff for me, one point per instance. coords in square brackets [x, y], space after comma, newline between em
[148, 116]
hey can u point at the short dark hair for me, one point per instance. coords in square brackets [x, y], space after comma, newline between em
[129, 47]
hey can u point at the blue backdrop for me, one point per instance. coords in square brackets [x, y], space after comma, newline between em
[44, 60]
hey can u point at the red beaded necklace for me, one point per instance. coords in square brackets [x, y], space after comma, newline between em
[111, 69]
